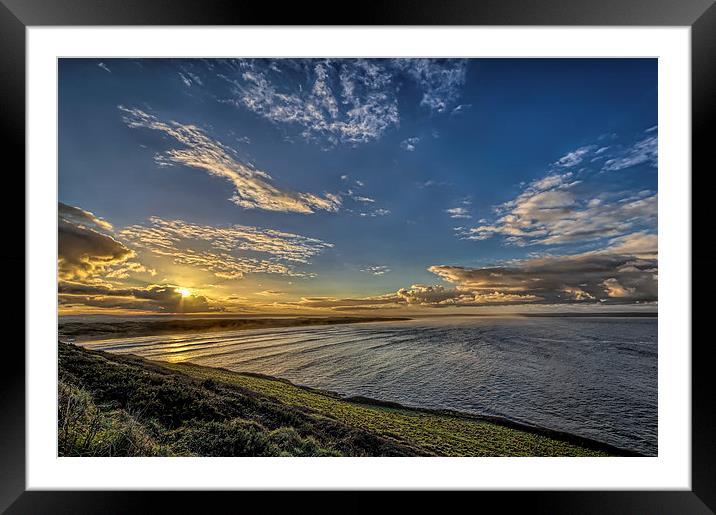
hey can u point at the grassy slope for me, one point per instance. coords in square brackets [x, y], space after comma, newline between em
[185, 409]
[443, 434]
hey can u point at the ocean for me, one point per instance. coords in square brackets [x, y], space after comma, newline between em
[592, 377]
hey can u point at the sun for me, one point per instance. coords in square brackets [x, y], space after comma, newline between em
[184, 292]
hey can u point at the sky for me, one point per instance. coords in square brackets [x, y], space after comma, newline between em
[368, 186]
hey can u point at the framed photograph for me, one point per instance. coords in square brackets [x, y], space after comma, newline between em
[446, 247]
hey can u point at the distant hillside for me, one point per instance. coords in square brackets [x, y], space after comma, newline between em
[101, 329]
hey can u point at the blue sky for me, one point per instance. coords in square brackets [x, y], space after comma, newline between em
[356, 185]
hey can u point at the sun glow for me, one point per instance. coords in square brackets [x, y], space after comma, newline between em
[184, 292]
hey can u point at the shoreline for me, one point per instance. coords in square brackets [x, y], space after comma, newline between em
[565, 436]
[247, 324]
[368, 401]
[173, 408]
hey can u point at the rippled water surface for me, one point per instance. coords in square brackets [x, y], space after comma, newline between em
[594, 377]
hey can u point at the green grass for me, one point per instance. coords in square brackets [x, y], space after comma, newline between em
[86, 430]
[185, 409]
[444, 435]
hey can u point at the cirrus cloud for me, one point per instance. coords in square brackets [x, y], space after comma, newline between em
[350, 101]
[563, 216]
[376, 270]
[228, 252]
[253, 188]
[644, 151]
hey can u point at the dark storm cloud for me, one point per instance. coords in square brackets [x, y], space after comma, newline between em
[588, 277]
[626, 272]
[154, 297]
[79, 216]
[84, 246]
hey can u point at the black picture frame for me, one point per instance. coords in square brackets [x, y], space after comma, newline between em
[16, 15]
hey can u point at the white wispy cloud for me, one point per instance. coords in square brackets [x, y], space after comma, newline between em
[374, 213]
[350, 101]
[187, 82]
[644, 151]
[376, 270]
[616, 157]
[458, 212]
[270, 293]
[561, 213]
[253, 188]
[361, 201]
[440, 79]
[409, 144]
[104, 67]
[430, 183]
[460, 109]
[188, 73]
[561, 207]
[574, 157]
[227, 252]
